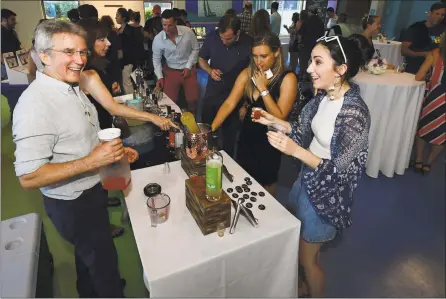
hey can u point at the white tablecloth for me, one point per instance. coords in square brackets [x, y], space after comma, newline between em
[394, 101]
[391, 52]
[178, 261]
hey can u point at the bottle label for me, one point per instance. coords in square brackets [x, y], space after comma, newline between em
[213, 178]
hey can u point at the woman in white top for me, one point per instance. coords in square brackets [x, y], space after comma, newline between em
[331, 139]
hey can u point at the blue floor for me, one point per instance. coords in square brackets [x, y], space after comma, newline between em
[396, 245]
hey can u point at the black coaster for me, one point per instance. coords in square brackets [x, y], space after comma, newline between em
[230, 190]
[245, 196]
[249, 205]
[247, 179]
[262, 207]
[253, 199]
[253, 193]
[249, 183]
[246, 189]
[262, 194]
[235, 195]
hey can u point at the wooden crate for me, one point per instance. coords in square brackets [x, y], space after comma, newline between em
[192, 167]
[207, 214]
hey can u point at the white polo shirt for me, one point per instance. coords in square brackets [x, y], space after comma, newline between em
[55, 122]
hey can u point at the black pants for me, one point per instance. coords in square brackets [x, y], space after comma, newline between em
[229, 130]
[84, 223]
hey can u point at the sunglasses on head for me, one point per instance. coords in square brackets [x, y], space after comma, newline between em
[332, 38]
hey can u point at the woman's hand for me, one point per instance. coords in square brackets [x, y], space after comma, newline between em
[282, 143]
[116, 88]
[163, 123]
[132, 155]
[260, 80]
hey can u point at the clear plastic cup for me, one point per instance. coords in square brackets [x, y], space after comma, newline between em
[159, 208]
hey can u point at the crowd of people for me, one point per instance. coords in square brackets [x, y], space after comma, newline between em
[79, 65]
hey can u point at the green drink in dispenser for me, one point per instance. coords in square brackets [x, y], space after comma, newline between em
[214, 163]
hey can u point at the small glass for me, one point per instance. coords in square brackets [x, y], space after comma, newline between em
[401, 68]
[159, 208]
[221, 227]
[277, 128]
[166, 169]
[257, 112]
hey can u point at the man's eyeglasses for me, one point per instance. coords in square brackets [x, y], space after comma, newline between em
[332, 38]
[72, 52]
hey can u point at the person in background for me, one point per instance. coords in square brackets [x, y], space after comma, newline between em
[372, 26]
[229, 51]
[276, 19]
[432, 123]
[10, 40]
[231, 12]
[177, 16]
[331, 139]
[156, 11]
[260, 23]
[332, 18]
[73, 15]
[58, 151]
[418, 41]
[113, 52]
[310, 31]
[294, 43]
[132, 42]
[152, 27]
[341, 28]
[88, 11]
[179, 45]
[363, 43]
[246, 17]
[183, 16]
[276, 95]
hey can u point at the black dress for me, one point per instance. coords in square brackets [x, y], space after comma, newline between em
[254, 153]
[105, 118]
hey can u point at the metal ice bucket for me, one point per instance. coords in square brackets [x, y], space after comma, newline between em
[197, 145]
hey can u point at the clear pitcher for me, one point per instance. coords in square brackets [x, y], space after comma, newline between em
[115, 176]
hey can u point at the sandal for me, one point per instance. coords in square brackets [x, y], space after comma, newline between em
[418, 167]
[116, 231]
[426, 169]
[113, 202]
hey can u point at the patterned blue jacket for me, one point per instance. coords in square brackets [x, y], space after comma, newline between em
[331, 184]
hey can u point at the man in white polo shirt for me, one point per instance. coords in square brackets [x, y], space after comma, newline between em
[57, 150]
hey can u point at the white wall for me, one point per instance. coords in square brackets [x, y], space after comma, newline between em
[28, 15]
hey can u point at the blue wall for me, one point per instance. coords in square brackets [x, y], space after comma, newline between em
[400, 14]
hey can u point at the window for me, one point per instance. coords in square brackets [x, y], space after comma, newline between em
[148, 7]
[286, 10]
[58, 9]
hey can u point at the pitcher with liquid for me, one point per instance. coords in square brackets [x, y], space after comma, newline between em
[188, 120]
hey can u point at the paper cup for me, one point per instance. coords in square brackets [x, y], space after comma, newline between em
[109, 134]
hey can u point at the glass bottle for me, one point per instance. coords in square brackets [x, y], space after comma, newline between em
[214, 184]
[188, 120]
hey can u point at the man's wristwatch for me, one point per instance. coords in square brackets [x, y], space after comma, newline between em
[264, 93]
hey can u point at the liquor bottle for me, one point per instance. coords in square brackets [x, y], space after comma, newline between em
[188, 120]
[214, 163]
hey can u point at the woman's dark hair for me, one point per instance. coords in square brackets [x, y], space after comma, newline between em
[231, 12]
[131, 15]
[95, 30]
[260, 24]
[366, 48]
[355, 50]
[137, 17]
[107, 21]
[367, 20]
[183, 12]
[124, 14]
[73, 15]
[303, 15]
[295, 17]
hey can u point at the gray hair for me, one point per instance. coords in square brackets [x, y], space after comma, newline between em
[43, 35]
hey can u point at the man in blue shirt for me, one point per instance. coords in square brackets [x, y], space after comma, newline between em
[228, 50]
